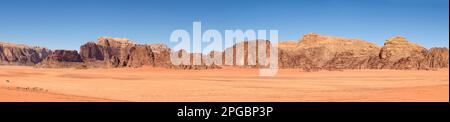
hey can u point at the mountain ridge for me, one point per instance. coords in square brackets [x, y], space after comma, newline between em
[311, 52]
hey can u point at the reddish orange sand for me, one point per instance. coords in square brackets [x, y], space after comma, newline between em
[228, 84]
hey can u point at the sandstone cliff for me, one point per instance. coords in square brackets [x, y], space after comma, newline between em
[250, 54]
[315, 51]
[399, 53]
[62, 59]
[311, 53]
[18, 54]
[117, 52]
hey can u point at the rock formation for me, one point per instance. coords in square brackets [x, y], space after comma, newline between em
[91, 51]
[161, 55]
[140, 55]
[62, 59]
[254, 53]
[65, 56]
[437, 58]
[18, 54]
[311, 53]
[396, 50]
[315, 51]
[116, 52]
[399, 53]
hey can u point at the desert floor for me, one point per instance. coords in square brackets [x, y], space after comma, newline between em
[21, 83]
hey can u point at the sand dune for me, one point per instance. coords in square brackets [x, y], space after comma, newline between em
[227, 84]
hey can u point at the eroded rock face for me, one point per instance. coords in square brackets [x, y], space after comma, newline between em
[140, 55]
[311, 53]
[91, 51]
[114, 42]
[399, 53]
[315, 51]
[437, 58]
[161, 55]
[247, 54]
[333, 53]
[18, 54]
[399, 49]
[62, 59]
[113, 52]
[297, 60]
[116, 52]
[65, 56]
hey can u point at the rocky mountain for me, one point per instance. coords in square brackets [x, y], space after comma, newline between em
[19, 54]
[312, 52]
[116, 52]
[399, 53]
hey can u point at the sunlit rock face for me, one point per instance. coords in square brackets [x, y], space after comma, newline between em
[19, 54]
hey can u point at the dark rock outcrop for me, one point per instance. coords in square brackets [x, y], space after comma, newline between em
[64, 56]
[18, 54]
[62, 59]
[161, 55]
[112, 52]
[116, 52]
[140, 55]
[91, 51]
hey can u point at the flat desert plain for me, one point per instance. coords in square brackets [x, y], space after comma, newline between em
[22, 83]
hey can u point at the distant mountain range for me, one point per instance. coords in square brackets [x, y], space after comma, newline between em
[312, 52]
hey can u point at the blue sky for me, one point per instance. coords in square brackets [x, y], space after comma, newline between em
[66, 24]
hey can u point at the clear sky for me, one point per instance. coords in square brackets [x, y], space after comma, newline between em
[66, 24]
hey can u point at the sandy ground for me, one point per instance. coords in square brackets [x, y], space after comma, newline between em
[21, 83]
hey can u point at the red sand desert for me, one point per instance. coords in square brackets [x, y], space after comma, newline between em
[22, 83]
